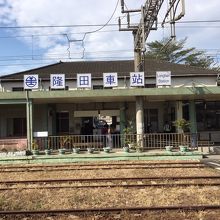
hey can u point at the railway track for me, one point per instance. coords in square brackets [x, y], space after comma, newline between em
[98, 168]
[141, 182]
[167, 185]
[106, 164]
[127, 182]
[108, 179]
[110, 210]
[116, 166]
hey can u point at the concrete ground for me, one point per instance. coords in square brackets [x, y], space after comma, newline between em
[212, 158]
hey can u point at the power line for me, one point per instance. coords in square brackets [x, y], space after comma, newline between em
[97, 25]
[107, 31]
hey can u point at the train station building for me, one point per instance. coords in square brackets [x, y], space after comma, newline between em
[59, 99]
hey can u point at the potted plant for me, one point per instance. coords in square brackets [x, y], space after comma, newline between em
[63, 141]
[47, 149]
[169, 148]
[90, 150]
[183, 126]
[129, 137]
[35, 148]
[183, 148]
[76, 150]
[107, 149]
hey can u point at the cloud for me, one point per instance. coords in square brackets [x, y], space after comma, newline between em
[53, 42]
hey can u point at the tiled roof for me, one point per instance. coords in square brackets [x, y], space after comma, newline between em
[124, 67]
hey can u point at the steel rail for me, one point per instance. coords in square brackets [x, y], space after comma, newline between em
[168, 185]
[108, 179]
[99, 168]
[113, 209]
[101, 164]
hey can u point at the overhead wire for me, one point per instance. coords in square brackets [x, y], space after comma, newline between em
[96, 25]
[89, 32]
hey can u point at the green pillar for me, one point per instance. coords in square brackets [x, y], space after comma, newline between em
[193, 124]
[192, 116]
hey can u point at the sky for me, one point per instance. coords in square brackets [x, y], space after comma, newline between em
[35, 33]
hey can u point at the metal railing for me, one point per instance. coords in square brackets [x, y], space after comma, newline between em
[150, 141]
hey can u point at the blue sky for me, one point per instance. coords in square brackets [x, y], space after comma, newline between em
[26, 48]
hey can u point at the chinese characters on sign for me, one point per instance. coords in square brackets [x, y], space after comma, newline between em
[31, 81]
[110, 79]
[84, 80]
[137, 79]
[57, 81]
[163, 78]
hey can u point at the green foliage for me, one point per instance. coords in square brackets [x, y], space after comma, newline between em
[129, 133]
[175, 52]
[182, 124]
[63, 141]
[34, 145]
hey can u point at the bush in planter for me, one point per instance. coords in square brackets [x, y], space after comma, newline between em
[62, 150]
[47, 151]
[107, 149]
[129, 137]
[63, 142]
[182, 124]
[183, 148]
[90, 150]
[76, 150]
[169, 148]
[35, 148]
[126, 149]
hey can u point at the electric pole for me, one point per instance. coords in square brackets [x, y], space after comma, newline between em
[149, 12]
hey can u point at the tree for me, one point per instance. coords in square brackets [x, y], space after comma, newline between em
[174, 51]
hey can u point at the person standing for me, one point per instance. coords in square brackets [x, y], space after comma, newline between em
[166, 127]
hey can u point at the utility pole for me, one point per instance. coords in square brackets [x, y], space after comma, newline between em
[149, 12]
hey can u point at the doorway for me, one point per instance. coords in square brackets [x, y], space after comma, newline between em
[151, 120]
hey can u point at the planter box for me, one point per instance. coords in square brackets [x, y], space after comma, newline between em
[35, 152]
[107, 149]
[183, 148]
[47, 152]
[126, 149]
[76, 150]
[169, 148]
[62, 151]
[90, 150]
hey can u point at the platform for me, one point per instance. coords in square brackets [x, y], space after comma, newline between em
[101, 156]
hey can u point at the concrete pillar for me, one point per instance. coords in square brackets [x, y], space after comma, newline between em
[179, 113]
[122, 118]
[140, 120]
